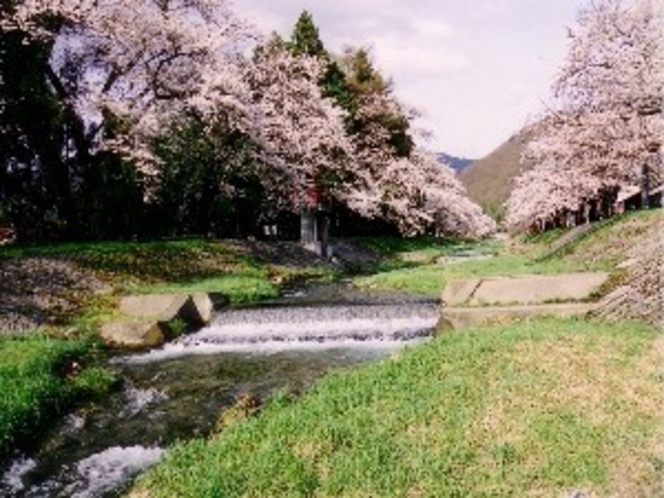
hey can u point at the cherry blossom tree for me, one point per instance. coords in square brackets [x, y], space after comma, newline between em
[547, 191]
[445, 202]
[606, 126]
[304, 143]
[137, 63]
[398, 181]
[612, 87]
[126, 71]
[402, 183]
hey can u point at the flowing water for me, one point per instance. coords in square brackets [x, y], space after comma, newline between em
[177, 392]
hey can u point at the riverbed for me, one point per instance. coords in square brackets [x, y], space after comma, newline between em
[177, 392]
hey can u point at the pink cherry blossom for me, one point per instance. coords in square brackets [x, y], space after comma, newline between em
[605, 128]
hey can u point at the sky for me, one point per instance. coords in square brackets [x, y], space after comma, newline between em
[478, 70]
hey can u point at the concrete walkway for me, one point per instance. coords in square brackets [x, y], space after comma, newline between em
[474, 301]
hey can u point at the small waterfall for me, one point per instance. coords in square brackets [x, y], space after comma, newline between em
[279, 328]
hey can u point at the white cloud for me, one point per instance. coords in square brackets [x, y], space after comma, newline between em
[490, 9]
[477, 69]
[428, 51]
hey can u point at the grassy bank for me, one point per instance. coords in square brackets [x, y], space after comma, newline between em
[41, 378]
[535, 409]
[121, 268]
[168, 266]
[424, 265]
[427, 271]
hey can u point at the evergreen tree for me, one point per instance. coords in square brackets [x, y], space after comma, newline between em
[305, 40]
[34, 181]
[367, 85]
[206, 183]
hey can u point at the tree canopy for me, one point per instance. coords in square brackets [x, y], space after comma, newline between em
[158, 99]
[605, 127]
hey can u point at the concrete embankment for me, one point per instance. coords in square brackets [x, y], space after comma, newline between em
[470, 302]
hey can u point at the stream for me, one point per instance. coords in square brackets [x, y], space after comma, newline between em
[176, 392]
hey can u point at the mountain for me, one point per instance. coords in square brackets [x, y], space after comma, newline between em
[489, 180]
[456, 163]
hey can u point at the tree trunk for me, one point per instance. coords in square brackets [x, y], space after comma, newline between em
[308, 228]
[645, 186]
[323, 234]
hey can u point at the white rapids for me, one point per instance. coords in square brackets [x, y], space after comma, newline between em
[267, 330]
[102, 472]
[89, 478]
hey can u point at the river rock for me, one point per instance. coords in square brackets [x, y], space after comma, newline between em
[195, 309]
[156, 318]
[162, 306]
[204, 307]
[133, 334]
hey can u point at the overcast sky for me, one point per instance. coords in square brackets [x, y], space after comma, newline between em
[477, 69]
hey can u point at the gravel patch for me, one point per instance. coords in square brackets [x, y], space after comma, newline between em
[37, 291]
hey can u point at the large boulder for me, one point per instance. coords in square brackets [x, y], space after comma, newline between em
[133, 334]
[204, 307]
[193, 309]
[152, 319]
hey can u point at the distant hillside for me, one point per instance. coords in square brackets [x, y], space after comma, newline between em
[456, 163]
[489, 180]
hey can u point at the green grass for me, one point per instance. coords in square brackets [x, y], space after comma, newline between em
[37, 383]
[413, 264]
[185, 266]
[609, 240]
[239, 287]
[538, 408]
[158, 262]
[396, 245]
[426, 249]
[134, 264]
[430, 279]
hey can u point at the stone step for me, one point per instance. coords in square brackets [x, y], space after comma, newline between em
[524, 289]
[471, 302]
[464, 317]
